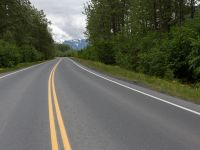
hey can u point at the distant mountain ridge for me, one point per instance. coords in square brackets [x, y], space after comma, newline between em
[77, 44]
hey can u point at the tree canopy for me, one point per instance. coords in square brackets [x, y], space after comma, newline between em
[22, 25]
[157, 37]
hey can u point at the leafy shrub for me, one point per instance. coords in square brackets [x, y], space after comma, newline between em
[153, 62]
[149, 41]
[88, 53]
[127, 59]
[127, 49]
[105, 51]
[9, 54]
[194, 59]
[179, 49]
[71, 53]
[30, 54]
[123, 60]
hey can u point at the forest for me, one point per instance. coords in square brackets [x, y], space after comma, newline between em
[158, 38]
[24, 34]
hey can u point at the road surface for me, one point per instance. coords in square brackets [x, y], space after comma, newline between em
[62, 105]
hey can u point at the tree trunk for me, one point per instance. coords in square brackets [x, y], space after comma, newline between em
[192, 4]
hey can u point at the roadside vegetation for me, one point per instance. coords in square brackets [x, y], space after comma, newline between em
[63, 50]
[24, 34]
[171, 87]
[157, 39]
[18, 66]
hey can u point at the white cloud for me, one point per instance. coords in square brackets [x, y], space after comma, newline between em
[66, 17]
[58, 34]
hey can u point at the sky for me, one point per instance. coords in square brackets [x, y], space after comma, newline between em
[66, 17]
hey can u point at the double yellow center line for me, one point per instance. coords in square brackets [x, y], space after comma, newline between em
[53, 103]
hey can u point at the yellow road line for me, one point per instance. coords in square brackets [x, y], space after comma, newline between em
[61, 125]
[59, 116]
[54, 142]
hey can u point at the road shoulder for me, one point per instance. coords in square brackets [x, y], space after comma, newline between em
[178, 101]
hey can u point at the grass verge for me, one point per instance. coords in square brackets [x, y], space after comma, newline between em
[173, 88]
[19, 66]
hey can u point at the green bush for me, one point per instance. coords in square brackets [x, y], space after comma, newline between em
[127, 58]
[71, 53]
[105, 51]
[149, 41]
[179, 49]
[127, 49]
[9, 54]
[153, 62]
[124, 60]
[194, 59]
[88, 53]
[30, 54]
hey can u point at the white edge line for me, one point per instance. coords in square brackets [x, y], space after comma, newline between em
[7, 75]
[149, 95]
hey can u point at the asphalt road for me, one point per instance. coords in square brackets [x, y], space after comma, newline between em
[61, 105]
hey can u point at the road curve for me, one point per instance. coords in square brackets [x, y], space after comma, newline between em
[95, 114]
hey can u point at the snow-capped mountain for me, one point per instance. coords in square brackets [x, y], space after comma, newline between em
[77, 44]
